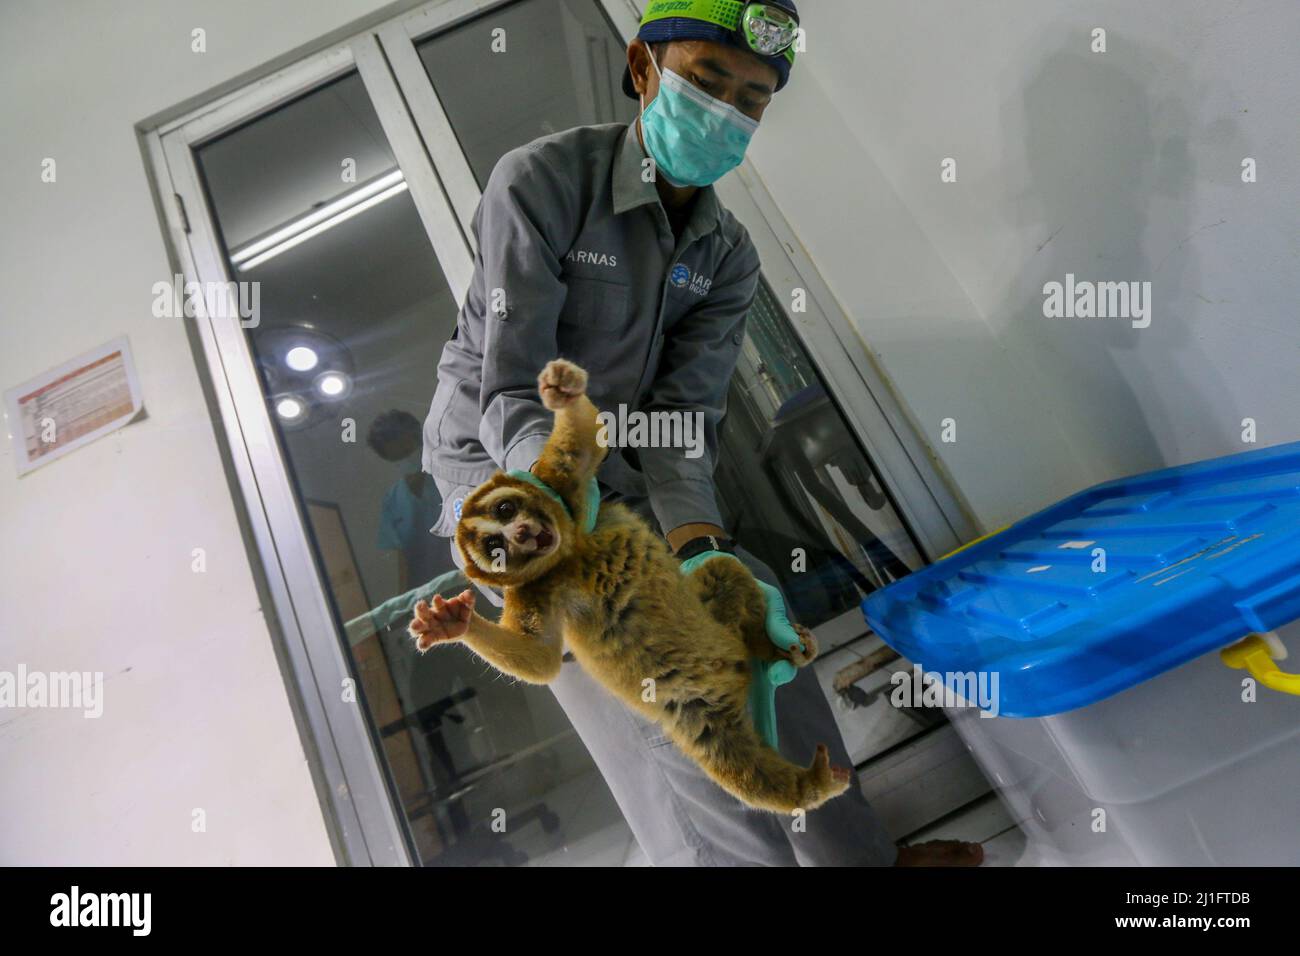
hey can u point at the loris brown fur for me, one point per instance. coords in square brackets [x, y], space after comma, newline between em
[617, 599]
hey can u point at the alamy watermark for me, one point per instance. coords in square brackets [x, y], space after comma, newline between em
[63, 690]
[920, 688]
[657, 429]
[1082, 299]
[130, 910]
[236, 300]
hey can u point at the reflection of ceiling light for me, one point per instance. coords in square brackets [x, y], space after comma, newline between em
[314, 223]
[333, 384]
[290, 409]
[301, 359]
[305, 372]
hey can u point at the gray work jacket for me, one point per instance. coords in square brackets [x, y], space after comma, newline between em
[576, 258]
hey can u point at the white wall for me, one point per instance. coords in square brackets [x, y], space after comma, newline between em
[95, 549]
[1122, 165]
[1116, 166]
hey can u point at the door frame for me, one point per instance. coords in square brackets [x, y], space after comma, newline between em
[359, 802]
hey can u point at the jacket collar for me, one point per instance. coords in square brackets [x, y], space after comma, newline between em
[630, 190]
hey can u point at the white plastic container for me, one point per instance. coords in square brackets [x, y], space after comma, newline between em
[1176, 771]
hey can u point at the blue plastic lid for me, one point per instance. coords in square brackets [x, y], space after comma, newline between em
[1110, 587]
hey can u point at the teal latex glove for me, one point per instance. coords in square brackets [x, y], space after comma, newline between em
[767, 675]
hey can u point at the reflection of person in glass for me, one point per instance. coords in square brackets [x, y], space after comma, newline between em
[412, 505]
[609, 246]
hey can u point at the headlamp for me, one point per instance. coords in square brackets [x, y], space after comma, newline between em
[769, 29]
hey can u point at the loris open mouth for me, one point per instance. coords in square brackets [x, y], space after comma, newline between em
[541, 542]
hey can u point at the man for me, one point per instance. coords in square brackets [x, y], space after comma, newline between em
[411, 505]
[608, 245]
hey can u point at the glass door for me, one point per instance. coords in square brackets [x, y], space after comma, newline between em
[320, 205]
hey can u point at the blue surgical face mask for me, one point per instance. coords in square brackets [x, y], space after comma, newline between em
[692, 137]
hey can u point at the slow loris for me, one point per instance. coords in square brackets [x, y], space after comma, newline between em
[675, 648]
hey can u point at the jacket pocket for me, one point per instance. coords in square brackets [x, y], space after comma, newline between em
[595, 304]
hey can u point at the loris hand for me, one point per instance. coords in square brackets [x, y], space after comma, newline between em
[560, 383]
[443, 622]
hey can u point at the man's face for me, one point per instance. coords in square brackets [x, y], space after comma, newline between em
[726, 73]
[399, 447]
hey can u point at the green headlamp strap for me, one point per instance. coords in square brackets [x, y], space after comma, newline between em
[726, 14]
[593, 496]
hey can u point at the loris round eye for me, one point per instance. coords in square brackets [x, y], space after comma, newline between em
[495, 543]
[506, 510]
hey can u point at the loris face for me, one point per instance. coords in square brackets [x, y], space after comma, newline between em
[510, 532]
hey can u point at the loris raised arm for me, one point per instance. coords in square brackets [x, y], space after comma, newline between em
[616, 597]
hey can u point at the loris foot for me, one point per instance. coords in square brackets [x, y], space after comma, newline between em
[443, 622]
[561, 383]
[821, 781]
[804, 657]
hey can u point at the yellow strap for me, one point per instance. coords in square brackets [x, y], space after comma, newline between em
[1253, 655]
[971, 544]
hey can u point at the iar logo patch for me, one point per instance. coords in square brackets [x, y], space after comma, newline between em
[683, 278]
[455, 507]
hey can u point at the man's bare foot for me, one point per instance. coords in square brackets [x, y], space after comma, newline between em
[941, 853]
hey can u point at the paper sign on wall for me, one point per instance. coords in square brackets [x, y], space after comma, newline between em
[69, 406]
